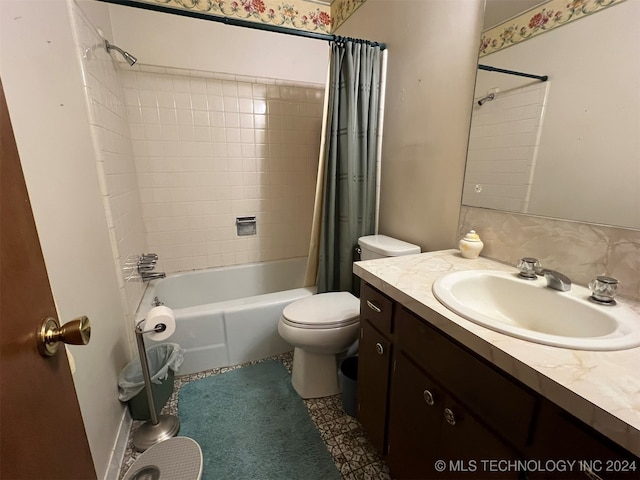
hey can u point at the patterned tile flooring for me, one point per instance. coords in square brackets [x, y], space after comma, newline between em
[353, 454]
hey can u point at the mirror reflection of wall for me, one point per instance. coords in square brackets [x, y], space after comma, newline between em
[579, 148]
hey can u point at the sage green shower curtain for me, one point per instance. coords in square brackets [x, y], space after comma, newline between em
[350, 154]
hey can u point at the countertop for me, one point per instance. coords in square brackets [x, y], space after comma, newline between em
[601, 388]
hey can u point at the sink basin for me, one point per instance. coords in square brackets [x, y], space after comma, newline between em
[529, 310]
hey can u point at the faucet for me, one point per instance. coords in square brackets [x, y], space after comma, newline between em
[530, 269]
[146, 263]
[556, 280]
[147, 276]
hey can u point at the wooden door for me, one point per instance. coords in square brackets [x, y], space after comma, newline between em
[42, 435]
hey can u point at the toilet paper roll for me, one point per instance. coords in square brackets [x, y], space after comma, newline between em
[160, 315]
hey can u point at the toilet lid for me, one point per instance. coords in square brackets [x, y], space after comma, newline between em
[323, 310]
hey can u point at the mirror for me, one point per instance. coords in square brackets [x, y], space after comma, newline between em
[568, 148]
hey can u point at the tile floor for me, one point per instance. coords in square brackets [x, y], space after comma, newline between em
[354, 456]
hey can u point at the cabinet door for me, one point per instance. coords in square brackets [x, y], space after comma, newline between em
[415, 420]
[432, 436]
[470, 450]
[373, 380]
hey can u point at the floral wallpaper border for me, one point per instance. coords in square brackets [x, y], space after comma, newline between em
[540, 19]
[341, 10]
[297, 14]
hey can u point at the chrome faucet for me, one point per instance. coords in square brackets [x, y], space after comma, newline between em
[146, 263]
[147, 276]
[556, 280]
[530, 269]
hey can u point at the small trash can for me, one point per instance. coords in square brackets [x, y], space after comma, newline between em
[164, 359]
[349, 376]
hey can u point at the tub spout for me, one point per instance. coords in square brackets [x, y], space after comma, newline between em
[147, 276]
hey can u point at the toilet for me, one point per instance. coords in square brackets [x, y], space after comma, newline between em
[322, 326]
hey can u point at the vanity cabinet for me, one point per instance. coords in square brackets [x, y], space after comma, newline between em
[423, 397]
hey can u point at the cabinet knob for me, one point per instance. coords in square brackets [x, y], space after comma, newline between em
[428, 397]
[379, 348]
[449, 416]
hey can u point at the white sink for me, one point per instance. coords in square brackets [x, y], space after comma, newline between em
[529, 310]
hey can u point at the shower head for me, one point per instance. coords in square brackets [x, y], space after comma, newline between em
[127, 56]
[488, 98]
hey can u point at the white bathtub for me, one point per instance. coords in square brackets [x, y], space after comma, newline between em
[229, 315]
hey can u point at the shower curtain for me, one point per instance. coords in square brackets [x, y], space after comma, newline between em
[346, 188]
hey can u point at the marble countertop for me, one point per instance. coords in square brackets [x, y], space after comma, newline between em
[600, 388]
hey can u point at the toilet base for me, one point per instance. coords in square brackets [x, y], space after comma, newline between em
[314, 375]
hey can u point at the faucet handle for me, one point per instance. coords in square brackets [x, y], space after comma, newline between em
[527, 267]
[603, 290]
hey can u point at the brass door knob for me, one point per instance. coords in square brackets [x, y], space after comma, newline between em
[50, 334]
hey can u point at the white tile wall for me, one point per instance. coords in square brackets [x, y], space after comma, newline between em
[115, 162]
[505, 134]
[211, 147]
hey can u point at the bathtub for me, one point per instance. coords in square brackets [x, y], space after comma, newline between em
[228, 315]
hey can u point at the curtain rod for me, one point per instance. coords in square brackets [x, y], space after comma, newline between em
[237, 22]
[542, 78]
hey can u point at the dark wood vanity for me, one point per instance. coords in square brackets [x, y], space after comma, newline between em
[435, 409]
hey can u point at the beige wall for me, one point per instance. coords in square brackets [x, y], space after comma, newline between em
[194, 44]
[433, 52]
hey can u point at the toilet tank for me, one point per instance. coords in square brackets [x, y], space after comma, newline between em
[380, 246]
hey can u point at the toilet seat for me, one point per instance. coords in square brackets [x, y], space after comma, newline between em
[324, 310]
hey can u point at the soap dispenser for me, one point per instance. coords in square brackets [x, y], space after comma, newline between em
[470, 245]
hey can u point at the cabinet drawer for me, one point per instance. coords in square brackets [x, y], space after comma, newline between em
[503, 404]
[376, 308]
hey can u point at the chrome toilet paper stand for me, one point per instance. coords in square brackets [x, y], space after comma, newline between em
[161, 427]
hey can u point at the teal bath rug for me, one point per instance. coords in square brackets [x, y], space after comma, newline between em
[252, 425]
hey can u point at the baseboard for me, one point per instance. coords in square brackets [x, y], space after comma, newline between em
[119, 447]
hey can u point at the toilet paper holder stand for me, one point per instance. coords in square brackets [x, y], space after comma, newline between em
[159, 427]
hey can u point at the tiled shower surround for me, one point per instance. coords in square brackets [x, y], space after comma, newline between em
[211, 147]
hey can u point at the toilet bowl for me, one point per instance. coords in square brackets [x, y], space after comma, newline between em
[319, 327]
[325, 325]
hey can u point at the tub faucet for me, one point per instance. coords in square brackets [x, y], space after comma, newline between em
[556, 280]
[147, 276]
[146, 263]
